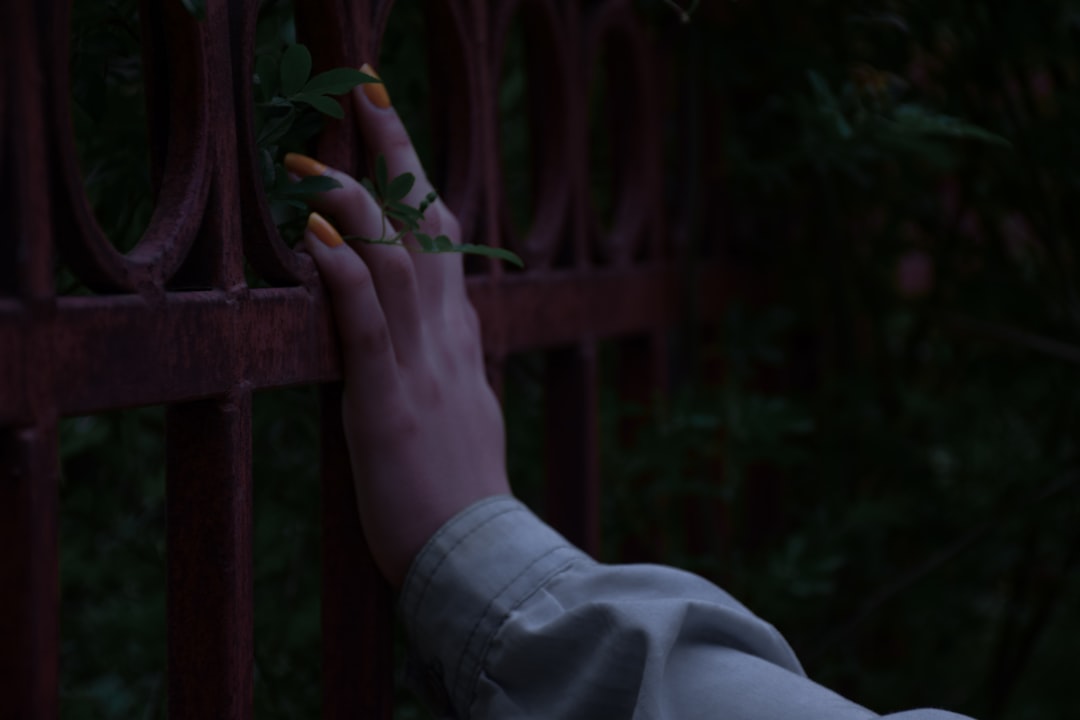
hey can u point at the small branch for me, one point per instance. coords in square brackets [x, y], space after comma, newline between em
[1022, 338]
[1007, 510]
[1014, 659]
[381, 241]
[684, 14]
[157, 697]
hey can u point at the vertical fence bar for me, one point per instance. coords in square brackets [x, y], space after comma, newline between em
[708, 522]
[642, 373]
[573, 445]
[24, 178]
[29, 456]
[357, 605]
[642, 370]
[29, 568]
[208, 512]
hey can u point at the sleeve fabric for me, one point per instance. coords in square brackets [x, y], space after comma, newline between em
[506, 619]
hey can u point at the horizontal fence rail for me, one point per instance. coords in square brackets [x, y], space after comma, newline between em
[174, 322]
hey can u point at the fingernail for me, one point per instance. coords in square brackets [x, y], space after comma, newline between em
[303, 165]
[376, 92]
[323, 230]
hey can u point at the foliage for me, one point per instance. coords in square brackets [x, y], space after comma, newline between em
[684, 14]
[289, 105]
[891, 420]
[390, 196]
[112, 521]
[109, 118]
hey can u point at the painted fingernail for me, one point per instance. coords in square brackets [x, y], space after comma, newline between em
[303, 165]
[322, 229]
[376, 92]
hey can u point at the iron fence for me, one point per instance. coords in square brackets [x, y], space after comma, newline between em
[173, 321]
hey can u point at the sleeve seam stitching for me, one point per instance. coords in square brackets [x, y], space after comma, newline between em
[506, 615]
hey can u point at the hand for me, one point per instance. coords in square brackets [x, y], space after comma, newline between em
[424, 428]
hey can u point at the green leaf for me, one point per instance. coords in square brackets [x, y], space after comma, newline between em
[266, 76]
[277, 102]
[197, 8]
[266, 167]
[425, 241]
[404, 210]
[828, 105]
[323, 104]
[492, 252]
[409, 220]
[918, 120]
[295, 69]
[281, 178]
[336, 81]
[400, 186]
[293, 202]
[311, 185]
[369, 186]
[380, 175]
[444, 244]
[274, 128]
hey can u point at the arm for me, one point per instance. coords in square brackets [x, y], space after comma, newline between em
[514, 622]
[507, 619]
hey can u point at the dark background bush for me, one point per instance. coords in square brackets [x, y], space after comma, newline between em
[876, 451]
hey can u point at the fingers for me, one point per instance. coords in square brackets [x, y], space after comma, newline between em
[355, 212]
[386, 136]
[366, 341]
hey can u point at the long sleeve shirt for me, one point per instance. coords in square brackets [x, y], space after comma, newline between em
[507, 619]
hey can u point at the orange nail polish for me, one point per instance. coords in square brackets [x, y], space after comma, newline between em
[376, 92]
[303, 165]
[323, 230]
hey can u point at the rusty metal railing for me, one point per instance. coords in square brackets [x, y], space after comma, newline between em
[139, 340]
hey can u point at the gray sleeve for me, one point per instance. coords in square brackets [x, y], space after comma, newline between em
[506, 619]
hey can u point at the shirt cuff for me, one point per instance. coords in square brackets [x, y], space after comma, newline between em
[465, 582]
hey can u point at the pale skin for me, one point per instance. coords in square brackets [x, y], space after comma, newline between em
[424, 429]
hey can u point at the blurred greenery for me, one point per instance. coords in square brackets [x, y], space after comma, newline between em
[112, 543]
[109, 117]
[892, 414]
[876, 450]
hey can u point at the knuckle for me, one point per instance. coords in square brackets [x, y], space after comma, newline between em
[463, 321]
[350, 277]
[460, 344]
[401, 424]
[396, 269]
[343, 196]
[472, 318]
[429, 390]
[465, 328]
[373, 339]
[440, 221]
[392, 424]
[396, 138]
